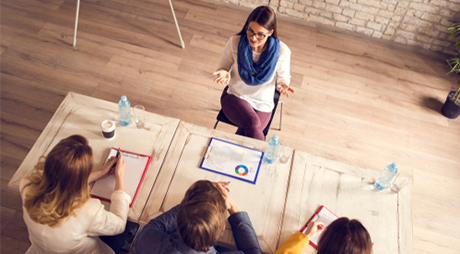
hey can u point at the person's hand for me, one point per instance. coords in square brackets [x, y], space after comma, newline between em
[314, 228]
[284, 89]
[223, 76]
[108, 169]
[104, 171]
[120, 173]
[223, 187]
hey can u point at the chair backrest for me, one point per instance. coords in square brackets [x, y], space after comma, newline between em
[276, 98]
[222, 118]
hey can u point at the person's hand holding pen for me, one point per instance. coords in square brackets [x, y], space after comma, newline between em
[114, 165]
[223, 187]
[223, 76]
[314, 228]
[120, 173]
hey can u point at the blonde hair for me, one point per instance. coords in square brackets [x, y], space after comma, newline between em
[201, 216]
[59, 183]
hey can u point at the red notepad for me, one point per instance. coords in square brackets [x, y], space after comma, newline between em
[325, 216]
[136, 167]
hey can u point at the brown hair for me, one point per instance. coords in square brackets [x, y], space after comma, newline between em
[201, 216]
[264, 16]
[345, 236]
[59, 185]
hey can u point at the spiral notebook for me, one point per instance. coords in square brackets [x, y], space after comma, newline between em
[136, 167]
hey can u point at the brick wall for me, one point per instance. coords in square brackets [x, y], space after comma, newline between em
[421, 23]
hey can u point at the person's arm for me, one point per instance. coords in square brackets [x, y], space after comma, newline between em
[114, 221]
[243, 232]
[298, 241]
[103, 171]
[294, 245]
[284, 71]
[107, 169]
[165, 223]
[225, 63]
[226, 59]
[155, 235]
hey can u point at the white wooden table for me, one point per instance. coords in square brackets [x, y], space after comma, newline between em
[345, 190]
[263, 201]
[79, 114]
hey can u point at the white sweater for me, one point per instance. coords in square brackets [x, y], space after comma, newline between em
[259, 97]
[79, 234]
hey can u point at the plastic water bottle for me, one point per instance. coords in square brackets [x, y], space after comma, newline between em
[272, 149]
[386, 176]
[124, 111]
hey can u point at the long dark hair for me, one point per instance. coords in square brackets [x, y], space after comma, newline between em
[264, 16]
[345, 236]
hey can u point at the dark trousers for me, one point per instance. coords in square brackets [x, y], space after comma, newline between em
[251, 123]
[116, 242]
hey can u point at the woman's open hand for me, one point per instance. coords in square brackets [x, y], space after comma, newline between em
[223, 76]
[284, 89]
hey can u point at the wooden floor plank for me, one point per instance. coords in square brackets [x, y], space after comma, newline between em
[357, 100]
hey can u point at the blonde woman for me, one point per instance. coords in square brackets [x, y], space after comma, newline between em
[58, 211]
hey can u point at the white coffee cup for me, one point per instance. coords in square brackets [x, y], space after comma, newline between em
[108, 128]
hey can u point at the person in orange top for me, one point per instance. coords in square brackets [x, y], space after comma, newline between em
[342, 236]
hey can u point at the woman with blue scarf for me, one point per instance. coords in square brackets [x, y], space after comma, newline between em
[254, 63]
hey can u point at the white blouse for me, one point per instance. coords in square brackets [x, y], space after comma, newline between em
[259, 97]
[79, 234]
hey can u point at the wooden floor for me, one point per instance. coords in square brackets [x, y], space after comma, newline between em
[356, 100]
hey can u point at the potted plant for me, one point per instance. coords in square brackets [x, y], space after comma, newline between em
[451, 108]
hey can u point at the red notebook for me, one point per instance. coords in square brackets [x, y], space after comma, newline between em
[325, 216]
[136, 167]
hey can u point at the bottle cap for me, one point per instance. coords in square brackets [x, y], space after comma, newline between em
[124, 98]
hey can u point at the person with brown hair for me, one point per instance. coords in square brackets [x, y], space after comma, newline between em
[58, 211]
[342, 236]
[253, 64]
[195, 225]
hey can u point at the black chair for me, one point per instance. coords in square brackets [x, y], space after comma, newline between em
[222, 118]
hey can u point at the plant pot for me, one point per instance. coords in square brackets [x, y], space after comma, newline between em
[450, 109]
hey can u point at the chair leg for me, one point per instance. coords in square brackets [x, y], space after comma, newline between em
[77, 13]
[281, 113]
[177, 25]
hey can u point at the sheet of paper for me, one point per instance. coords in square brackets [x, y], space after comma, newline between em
[326, 217]
[136, 165]
[232, 160]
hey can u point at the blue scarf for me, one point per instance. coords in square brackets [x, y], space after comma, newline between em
[255, 74]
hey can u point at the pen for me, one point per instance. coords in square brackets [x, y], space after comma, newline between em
[116, 156]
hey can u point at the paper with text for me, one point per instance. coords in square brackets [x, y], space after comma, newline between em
[136, 166]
